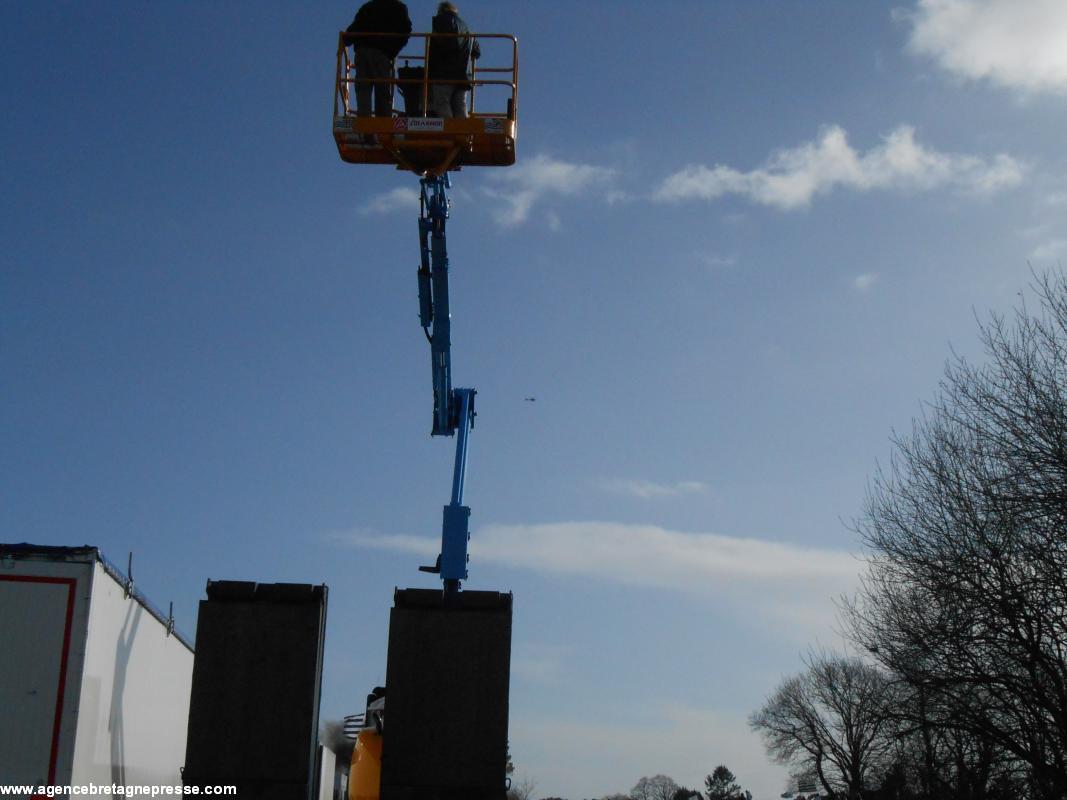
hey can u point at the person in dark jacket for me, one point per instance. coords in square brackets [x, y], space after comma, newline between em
[375, 54]
[451, 62]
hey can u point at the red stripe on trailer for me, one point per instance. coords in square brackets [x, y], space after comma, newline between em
[70, 583]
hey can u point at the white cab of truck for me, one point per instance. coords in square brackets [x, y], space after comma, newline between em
[94, 680]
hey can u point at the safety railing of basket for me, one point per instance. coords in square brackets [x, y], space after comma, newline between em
[347, 79]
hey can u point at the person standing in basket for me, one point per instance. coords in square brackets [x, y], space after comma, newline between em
[375, 54]
[451, 63]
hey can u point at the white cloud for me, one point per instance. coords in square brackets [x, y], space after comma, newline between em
[519, 188]
[864, 282]
[394, 200]
[713, 261]
[638, 554]
[789, 586]
[398, 542]
[647, 490]
[1052, 250]
[653, 556]
[791, 178]
[1020, 45]
[539, 663]
[1035, 231]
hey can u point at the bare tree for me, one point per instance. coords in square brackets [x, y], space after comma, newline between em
[966, 595]
[830, 719]
[522, 789]
[658, 787]
[935, 758]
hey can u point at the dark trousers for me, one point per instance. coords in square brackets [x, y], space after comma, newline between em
[372, 63]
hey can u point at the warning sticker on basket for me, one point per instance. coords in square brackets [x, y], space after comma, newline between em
[400, 123]
[425, 124]
[494, 125]
[342, 123]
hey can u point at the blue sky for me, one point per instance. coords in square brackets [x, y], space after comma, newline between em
[734, 254]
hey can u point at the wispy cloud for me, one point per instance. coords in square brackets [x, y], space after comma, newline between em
[1052, 250]
[397, 542]
[864, 282]
[1018, 45]
[791, 178]
[394, 200]
[539, 663]
[647, 490]
[654, 556]
[715, 261]
[785, 583]
[518, 189]
[636, 554]
[1055, 199]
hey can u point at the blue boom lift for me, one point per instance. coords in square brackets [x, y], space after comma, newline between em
[430, 147]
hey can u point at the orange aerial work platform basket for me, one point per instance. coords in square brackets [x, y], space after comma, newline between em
[413, 140]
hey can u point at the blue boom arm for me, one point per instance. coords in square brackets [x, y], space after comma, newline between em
[453, 409]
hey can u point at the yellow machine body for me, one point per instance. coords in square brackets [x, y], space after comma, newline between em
[364, 777]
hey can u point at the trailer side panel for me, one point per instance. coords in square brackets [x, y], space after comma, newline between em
[43, 607]
[134, 693]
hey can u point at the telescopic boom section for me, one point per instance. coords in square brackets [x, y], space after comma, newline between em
[453, 409]
[434, 315]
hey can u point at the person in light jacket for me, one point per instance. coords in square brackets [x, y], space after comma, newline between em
[451, 62]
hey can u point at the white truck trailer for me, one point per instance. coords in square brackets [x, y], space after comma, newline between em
[94, 679]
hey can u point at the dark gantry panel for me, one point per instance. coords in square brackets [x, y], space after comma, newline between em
[253, 715]
[446, 708]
